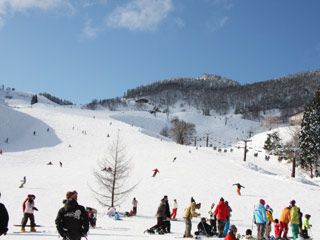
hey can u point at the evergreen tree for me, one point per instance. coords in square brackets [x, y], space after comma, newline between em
[34, 99]
[310, 135]
[273, 142]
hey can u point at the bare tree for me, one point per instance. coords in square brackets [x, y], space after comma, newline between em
[111, 175]
[182, 131]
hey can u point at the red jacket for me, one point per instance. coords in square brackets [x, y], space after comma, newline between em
[222, 211]
[230, 236]
[277, 230]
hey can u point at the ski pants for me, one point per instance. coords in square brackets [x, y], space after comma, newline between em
[226, 228]
[221, 224]
[284, 228]
[268, 230]
[188, 223]
[295, 231]
[213, 223]
[25, 218]
[261, 227]
[174, 213]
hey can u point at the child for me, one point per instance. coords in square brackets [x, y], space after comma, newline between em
[305, 226]
[276, 228]
[248, 235]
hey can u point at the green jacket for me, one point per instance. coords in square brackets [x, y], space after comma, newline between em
[294, 215]
[306, 224]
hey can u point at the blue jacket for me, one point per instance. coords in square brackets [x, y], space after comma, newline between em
[260, 214]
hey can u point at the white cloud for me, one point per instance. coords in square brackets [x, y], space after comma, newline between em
[13, 6]
[89, 31]
[140, 15]
[218, 23]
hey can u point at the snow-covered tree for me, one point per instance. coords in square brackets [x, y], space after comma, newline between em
[310, 135]
[182, 131]
[273, 142]
[112, 174]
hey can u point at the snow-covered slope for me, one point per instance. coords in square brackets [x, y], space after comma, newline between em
[202, 173]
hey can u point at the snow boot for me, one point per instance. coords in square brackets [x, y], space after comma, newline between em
[23, 229]
[32, 229]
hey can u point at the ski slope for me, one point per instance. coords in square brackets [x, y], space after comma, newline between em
[202, 173]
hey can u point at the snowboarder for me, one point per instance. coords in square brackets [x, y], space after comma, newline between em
[174, 210]
[168, 215]
[23, 182]
[28, 210]
[4, 219]
[72, 220]
[232, 233]
[239, 186]
[284, 221]
[260, 218]
[134, 206]
[204, 228]
[221, 213]
[294, 219]
[155, 171]
[161, 215]
[188, 214]
[306, 226]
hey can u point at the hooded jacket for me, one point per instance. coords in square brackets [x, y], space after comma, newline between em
[4, 218]
[221, 211]
[260, 214]
[285, 215]
[72, 220]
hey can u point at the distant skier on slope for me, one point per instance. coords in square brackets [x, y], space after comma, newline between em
[239, 186]
[155, 171]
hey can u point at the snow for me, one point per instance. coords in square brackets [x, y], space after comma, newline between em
[202, 173]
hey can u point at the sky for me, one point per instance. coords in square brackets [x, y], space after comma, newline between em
[82, 50]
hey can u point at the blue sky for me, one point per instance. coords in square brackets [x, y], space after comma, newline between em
[85, 49]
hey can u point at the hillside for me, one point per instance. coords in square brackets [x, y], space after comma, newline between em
[200, 172]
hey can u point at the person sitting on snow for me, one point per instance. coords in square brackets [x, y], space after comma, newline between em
[204, 228]
[248, 235]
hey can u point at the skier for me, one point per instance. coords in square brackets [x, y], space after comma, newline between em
[306, 226]
[248, 235]
[239, 186]
[72, 220]
[221, 213]
[28, 209]
[213, 220]
[270, 220]
[284, 221]
[294, 219]
[23, 182]
[134, 206]
[188, 214]
[161, 215]
[168, 215]
[204, 228]
[155, 171]
[260, 219]
[174, 210]
[232, 233]
[60, 164]
[4, 219]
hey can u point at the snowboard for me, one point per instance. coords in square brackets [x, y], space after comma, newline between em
[28, 225]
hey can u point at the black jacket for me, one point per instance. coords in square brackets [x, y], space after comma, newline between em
[72, 220]
[4, 219]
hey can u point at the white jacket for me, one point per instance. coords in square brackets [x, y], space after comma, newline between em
[29, 207]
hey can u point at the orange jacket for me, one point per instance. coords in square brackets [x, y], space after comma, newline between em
[285, 215]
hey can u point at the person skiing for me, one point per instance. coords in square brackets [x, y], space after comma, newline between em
[260, 219]
[174, 210]
[72, 220]
[134, 206]
[284, 221]
[270, 220]
[161, 215]
[4, 219]
[294, 219]
[232, 233]
[221, 213]
[155, 171]
[239, 186]
[306, 226]
[28, 209]
[23, 182]
[213, 219]
[188, 214]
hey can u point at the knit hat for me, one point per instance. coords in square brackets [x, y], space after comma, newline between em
[261, 201]
[72, 195]
[267, 206]
[233, 227]
[293, 202]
